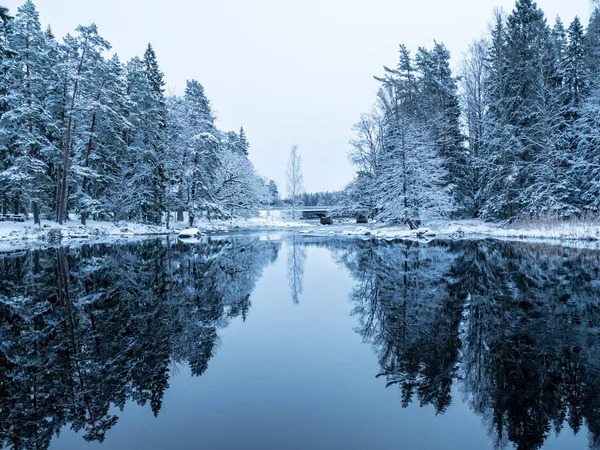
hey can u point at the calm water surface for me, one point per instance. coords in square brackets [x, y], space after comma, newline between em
[295, 342]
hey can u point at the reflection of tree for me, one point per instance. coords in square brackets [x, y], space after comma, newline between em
[84, 329]
[515, 325]
[405, 312]
[296, 260]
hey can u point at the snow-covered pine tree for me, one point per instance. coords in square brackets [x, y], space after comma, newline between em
[439, 108]
[25, 181]
[143, 195]
[82, 72]
[5, 54]
[413, 182]
[159, 127]
[243, 144]
[592, 46]
[201, 155]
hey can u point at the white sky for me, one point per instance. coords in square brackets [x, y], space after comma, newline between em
[291, 72]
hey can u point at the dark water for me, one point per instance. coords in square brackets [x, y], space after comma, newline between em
[300, 343]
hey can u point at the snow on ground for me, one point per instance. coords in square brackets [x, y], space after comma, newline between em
[584, 233]
[15, 235]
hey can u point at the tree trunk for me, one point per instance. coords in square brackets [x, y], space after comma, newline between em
[87, 156]
[58, 189]
[36, 212]
[180, 208]
[63, 198]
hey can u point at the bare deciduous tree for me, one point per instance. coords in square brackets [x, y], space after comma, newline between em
[295, 181]
[367, 146]
[473, 75]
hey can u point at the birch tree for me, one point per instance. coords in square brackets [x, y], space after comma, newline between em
[295, 180]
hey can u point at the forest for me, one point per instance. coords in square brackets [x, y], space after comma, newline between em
[510, 132]
[89, 135]
[513, 134]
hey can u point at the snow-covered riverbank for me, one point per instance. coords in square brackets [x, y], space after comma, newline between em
[583, 233]
[14, 235]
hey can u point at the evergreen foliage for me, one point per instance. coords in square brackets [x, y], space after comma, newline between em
[86, 134]
[528, 101]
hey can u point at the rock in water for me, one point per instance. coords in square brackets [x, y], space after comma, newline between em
[189, 233]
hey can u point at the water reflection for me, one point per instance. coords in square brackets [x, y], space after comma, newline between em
[296, 248]
[512, 328]
[514, 325]
[84, 329]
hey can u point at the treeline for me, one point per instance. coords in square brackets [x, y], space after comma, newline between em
[325, 198]
[86, 134]
[516, 135]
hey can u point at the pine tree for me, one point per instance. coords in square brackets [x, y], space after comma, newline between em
[576, 76]
[592, 46]
[82, 72]
[159, 120]
[243, 142]
[440, 109]
[26, 181]
[413, 182]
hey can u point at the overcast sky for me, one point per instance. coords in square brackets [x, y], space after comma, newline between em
[291, 72]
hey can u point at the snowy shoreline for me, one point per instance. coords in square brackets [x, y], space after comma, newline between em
[23, 235]
[16, 236]
[567, 234]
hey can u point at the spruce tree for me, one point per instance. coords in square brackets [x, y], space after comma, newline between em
[440, 108]
[243, 142]
[26, 182]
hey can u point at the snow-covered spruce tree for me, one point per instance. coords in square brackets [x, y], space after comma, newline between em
[592, 46]
[401, 169]
[525, 173]
[97, 167]
[141, 196]
[193, 155]
[243, 146]
[158, 134]
[25, 180]
[83, 71]
[141, 193]
[439, 109]
[587, 130]
[588, 157]
[274, 197]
